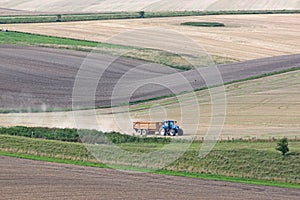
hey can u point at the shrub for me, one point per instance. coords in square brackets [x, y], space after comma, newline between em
[58, 18]
[142, 14]
[74, 135]
[282, 146]
[205, 24]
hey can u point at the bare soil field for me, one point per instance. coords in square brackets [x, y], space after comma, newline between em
[149, 5]
[33, 77]
[244, 37]
[26, 179]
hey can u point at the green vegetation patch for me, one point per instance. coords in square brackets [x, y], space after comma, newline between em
[252, 160]
[20, 38]
[203, 24]
[236, 160]
[127, 15]
[74, 135]
[66, 17]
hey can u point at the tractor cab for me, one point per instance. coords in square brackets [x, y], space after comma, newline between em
[169, 124]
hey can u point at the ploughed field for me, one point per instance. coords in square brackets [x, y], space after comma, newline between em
[36, 180]
[41, 78]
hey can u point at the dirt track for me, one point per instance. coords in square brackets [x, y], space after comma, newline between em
[44, 78]
[26, 179]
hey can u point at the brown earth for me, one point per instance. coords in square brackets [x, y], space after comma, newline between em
[245, 37]
[26, 179]
[42, 78]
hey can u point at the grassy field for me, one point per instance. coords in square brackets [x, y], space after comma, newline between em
[235, 160]
[126, 15]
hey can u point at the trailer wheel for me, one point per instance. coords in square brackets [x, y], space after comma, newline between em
[139, 131]
[144, 132]
[162, 131]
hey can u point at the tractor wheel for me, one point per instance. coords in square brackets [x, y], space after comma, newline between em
[172, 132]
[144, 132]
[162, 131]
[180, 132]
[138, 131]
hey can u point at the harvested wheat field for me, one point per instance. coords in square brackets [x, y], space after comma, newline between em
[16, 12]
[4, 11]
[244, 37]
[148, 5]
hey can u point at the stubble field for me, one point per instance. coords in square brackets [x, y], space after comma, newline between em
[244, 37]
[149, 5]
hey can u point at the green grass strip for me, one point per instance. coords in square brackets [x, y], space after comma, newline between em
[22, 38]
[10, 19]
[162, 172]
[230, 179]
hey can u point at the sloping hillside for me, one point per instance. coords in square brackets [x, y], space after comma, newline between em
[148, 5]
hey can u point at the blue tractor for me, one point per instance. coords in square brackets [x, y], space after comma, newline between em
[169, 127]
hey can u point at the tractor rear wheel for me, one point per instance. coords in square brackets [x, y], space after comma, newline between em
[180, 132]
[172, 132]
